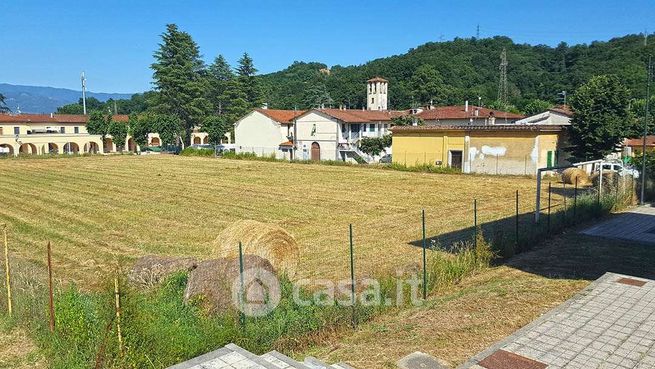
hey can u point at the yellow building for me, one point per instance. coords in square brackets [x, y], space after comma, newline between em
[491, 149]
[38, 134]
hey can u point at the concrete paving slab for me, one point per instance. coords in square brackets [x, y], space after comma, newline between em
[610, 324]
[637, 224]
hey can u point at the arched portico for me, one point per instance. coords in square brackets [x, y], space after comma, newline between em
[51, 148]
[155, 141]
[131, 145]
[27, 149]
[91, 148]
[71, 148]
[6, 147]
[108, 145]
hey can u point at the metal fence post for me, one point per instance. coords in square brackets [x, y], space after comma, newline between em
[575, 199]
[51, 299]
[517, 220]
[475, 222]
[548, 218]
[242, 316]
[352, 277]
[425, 273]
[7, 272]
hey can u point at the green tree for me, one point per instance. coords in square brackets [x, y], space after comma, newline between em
[179, 78]
[246, 74]
[140, 127]
[216, 127]
[428, 86]
[601, 118]
[536, 106]
[3, 105]
[374, 145]
[170, 128]
[219, 74]
[98, 124]
[236, 104]
[407, 120]
[118, 132]
[318, 97]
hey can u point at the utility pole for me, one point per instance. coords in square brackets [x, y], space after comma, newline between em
[643, 147]
[83, 92]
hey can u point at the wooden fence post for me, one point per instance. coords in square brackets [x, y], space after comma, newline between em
[118, 314]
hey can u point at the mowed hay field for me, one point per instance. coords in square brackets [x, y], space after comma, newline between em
[98, 209]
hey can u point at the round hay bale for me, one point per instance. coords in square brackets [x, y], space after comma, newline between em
[211, 283]
[262, 239]
[569, 176]
[151, 269]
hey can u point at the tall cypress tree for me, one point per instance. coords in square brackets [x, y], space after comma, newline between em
[246, 74]
[219, 74]
[179, 78]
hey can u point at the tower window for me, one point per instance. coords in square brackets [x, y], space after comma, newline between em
[372, 100]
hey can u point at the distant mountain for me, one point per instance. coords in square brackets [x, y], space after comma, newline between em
[37, 99]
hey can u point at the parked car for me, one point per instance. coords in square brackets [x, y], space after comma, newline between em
[202, 147]
[386, 159]
[620, 169]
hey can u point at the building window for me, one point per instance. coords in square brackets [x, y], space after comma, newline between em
[62, 129]
[371, 127]
[0, 131]
[372, 100]
[16, 130]
[77, 130]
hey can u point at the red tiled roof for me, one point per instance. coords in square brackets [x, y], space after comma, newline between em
[493, 127]
[281, 116]
[287, 143]
[55, 118]
[458, 112]
[377, 79]
[639, 142]
[562, 109]
[363, 116]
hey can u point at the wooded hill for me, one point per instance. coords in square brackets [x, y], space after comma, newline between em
[454, 71]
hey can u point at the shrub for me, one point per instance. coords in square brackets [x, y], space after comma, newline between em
[192, 151]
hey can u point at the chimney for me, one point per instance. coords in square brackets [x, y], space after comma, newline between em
[466, 106]
[52, 115]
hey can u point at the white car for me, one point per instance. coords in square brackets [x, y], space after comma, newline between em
[619, 168]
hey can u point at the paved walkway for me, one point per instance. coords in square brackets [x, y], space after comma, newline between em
[635, 225]
[609, 325]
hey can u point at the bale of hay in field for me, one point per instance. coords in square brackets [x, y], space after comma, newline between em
[262, 239]
[151, 269]
[569, 176]
[212, 283]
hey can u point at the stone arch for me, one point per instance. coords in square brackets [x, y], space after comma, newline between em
[197, 140]
[91, 148]
[71, 148]
[27, 149]
[205, 140]
[155, 141]
[52, 148]
[316, 151]
[10, 147]
[108, 145]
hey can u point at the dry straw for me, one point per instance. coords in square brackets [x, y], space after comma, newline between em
[267, 241]
[569, 176]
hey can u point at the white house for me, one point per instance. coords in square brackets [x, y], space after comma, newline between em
[559, 115]
[266, 132]
[334, 134]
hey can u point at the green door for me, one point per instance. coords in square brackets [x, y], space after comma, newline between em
[549, 159]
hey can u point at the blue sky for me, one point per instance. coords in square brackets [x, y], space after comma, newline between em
[49, 42]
